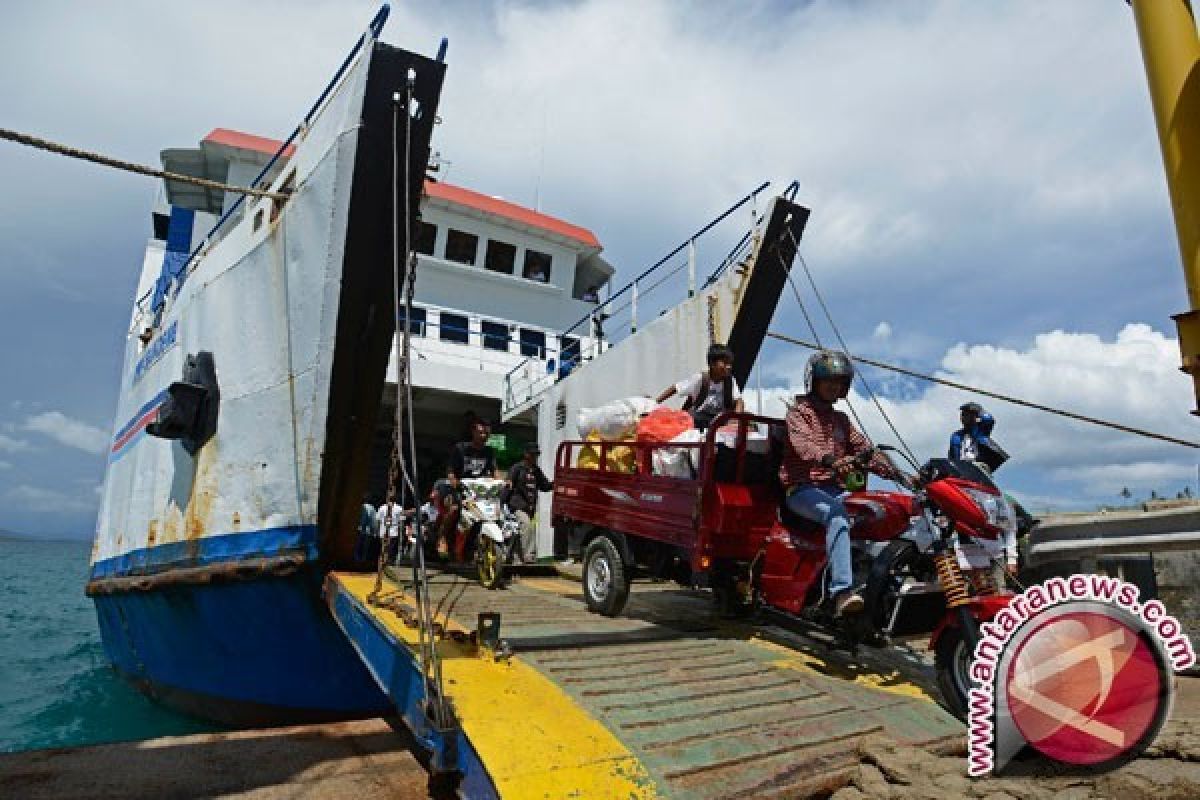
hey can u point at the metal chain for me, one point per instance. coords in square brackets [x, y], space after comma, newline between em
[128, 166]
[712, 318]
[400, 473]
[431, 661]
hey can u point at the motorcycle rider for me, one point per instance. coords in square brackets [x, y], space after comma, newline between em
[973, 442]
[472, 459]
[967, 442]
[821, 449]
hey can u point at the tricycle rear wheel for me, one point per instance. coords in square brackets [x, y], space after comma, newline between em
[605, 582]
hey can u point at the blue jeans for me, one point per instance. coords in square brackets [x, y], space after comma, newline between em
[822, 503]
[362, 547]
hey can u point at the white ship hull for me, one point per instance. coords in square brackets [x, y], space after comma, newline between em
[206, 566]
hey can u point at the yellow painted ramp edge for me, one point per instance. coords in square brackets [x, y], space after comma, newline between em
[533, 739]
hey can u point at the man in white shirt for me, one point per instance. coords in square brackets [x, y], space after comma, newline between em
[710, 392]
[390, 517]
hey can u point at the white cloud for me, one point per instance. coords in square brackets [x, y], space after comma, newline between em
[1132, 379]
[68, 431]
[927, 130]
[1100, 480]
[49, 501]
[10, 445]
[883, 332]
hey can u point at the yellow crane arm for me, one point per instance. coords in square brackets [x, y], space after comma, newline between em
[1171, 52]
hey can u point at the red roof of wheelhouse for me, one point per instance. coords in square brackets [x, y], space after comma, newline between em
[248, 141]
[442, 191]
[503, 208]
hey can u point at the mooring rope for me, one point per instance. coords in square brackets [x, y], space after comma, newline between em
[1162, 437]
[128, 166]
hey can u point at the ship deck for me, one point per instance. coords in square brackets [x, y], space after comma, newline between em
[667, 700]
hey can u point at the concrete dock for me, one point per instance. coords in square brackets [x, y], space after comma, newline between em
[363, 759]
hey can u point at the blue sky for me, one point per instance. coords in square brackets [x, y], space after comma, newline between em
[987, 191]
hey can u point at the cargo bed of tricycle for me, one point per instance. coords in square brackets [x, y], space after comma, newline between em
[694, 512]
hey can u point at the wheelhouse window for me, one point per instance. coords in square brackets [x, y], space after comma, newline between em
[533, 343]
[495, 336]
[424, 238]
[461, 247]
[161, 223]
[500, 257]
[537, 266]
[454, 328]
[416, 325]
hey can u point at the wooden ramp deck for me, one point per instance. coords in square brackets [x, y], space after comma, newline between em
[665, 701]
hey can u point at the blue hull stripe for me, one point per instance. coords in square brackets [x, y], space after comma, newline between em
[270, 642]
[211, 550]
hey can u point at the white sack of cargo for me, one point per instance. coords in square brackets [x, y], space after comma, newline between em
[614, 420]
[678, 462]
[756, 441]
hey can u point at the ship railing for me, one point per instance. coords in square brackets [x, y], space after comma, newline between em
[655, 290]
[430, 343]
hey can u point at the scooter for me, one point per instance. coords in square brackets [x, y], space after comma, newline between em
[491, 528]
[909, 587]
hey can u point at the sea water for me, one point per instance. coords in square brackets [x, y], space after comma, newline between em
[56, 687]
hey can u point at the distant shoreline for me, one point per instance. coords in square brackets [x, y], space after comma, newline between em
[13, 536]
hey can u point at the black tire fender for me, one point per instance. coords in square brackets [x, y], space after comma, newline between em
[896, 552]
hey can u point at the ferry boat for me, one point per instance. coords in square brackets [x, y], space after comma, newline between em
[254, 363]
[270, 322]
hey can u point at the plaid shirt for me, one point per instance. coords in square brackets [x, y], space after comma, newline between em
[815, 430]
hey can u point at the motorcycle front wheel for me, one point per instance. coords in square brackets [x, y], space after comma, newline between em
[490, 562]
[953, 663]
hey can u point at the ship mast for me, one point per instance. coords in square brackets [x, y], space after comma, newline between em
[1171, 52]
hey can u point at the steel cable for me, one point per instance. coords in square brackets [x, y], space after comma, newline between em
[1162, 437]
[128, 166]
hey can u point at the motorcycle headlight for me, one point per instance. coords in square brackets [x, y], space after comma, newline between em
[996, 509]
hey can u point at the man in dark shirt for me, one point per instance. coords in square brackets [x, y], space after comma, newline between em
[525, 480]
[473, 459]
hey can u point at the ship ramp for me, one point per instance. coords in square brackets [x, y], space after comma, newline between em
[668, 700]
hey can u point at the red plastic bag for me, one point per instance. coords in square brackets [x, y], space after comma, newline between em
[663, 424]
